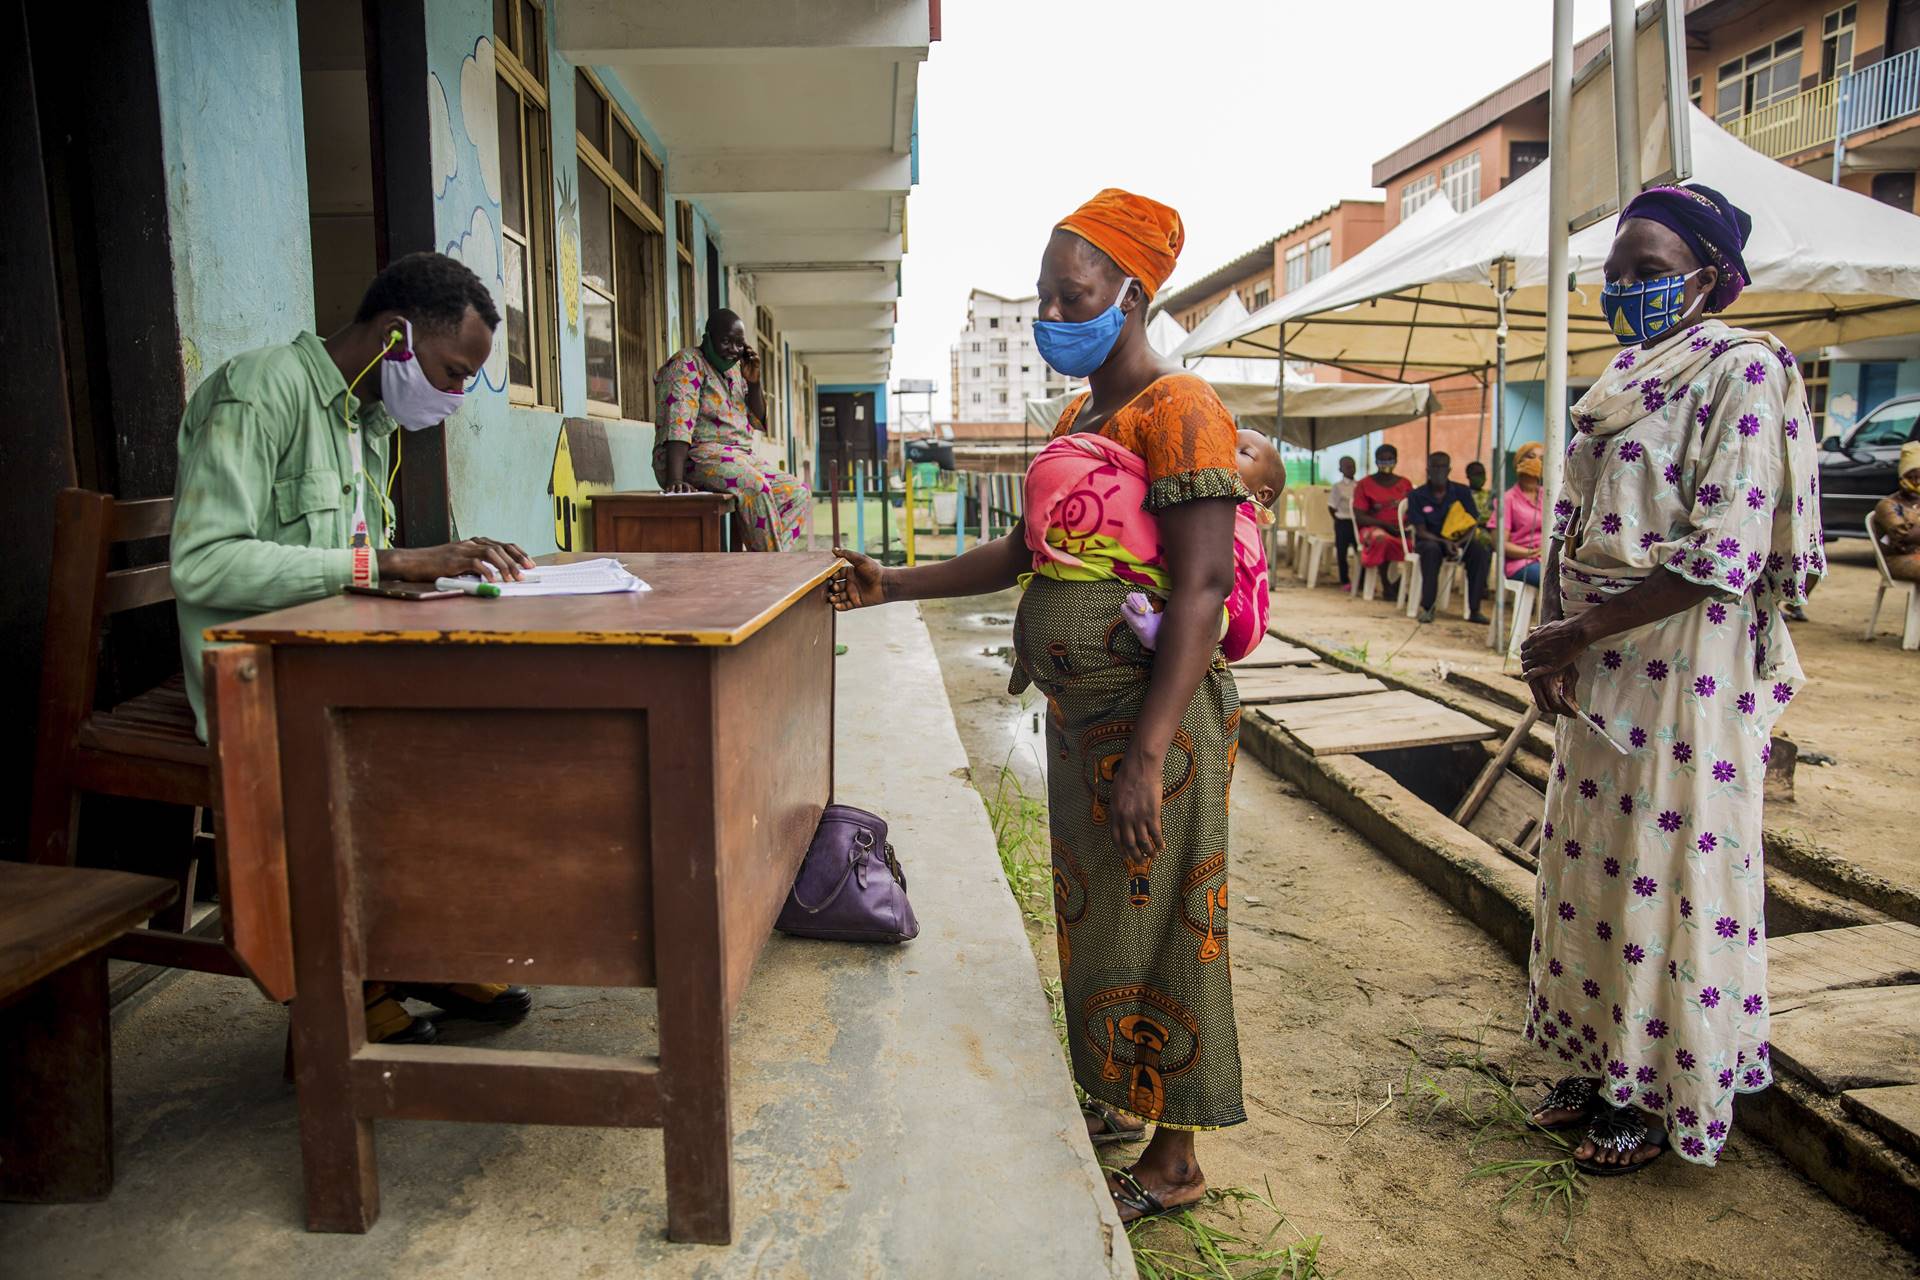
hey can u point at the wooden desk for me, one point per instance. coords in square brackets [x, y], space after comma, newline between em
[56, 1125]
[608, 791]
[647, 520]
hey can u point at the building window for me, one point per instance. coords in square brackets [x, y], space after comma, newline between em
[976, 346]
[1000, 346]
[976, 397]
[1460, 179]
[1262, 295]
[1320, 255]
[999, 371]
[1522, 156]
[1695, 92]
[1000, 397]
[1296, 265]
[683, 251]
[1836, 44]
[526, 202]
[1817, 374]
[1415, 194]
[622, 264]
[1769, 74]
[770, 376]
[993, 322]
[1026, 368]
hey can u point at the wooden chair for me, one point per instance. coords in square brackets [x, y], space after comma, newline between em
[146, 749]
[1910, 636]
[56, 1131]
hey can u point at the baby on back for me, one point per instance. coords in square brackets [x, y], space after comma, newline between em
[1265, 477]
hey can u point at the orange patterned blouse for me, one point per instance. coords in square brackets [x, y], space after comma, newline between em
[1185, 434]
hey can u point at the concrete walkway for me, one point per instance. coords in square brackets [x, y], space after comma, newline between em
[897, 1112]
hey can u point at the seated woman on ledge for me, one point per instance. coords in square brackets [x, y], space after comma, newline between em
[707, 418]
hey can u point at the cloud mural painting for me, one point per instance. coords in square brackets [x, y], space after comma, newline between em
[479, 248]
[480, 112]
[446, 159]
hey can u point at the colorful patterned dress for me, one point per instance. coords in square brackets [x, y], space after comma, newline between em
[707, 411]
[1143, 945]
[1649, 961]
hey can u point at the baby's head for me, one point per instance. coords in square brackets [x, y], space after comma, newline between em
[1260, 468]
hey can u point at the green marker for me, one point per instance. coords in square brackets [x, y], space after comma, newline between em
[466, 586]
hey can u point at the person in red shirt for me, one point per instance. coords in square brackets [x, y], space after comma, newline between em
[1376, 502]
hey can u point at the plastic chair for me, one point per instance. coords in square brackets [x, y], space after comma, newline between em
[1317, 535]
[1910, 637]
[1411, 588]
[1523, 602]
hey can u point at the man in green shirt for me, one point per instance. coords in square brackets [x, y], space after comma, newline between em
[281, 495]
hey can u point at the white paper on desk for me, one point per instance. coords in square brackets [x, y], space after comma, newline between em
[582, 578]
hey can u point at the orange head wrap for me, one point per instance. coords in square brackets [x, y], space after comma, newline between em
[1528, 461]
[1142, 236]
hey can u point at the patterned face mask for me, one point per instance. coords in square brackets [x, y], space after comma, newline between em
[1642, 311]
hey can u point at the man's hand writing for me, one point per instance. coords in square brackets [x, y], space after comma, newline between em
[483, 556]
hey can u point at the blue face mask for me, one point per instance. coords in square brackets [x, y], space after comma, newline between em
[1077, 348]
[1643, 311]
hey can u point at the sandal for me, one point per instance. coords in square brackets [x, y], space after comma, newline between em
[1129, 1194]
[1111, 1129]
[1570, 1093]
[1621, 1129]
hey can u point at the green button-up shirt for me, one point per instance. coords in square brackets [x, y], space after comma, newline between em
[263, 505]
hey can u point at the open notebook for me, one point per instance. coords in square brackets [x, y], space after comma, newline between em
[582, 578]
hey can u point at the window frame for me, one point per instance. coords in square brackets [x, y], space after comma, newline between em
[1844, 21]
[625, 198]
[1320, 255]
[536, 241]
[1742, 70]
[684, 273]
[1294, 264]
[1462, 173]
[1416, 193]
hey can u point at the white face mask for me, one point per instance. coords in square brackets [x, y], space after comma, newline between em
[414, 402]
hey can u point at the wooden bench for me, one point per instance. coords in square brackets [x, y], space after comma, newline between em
[646, 520]
[146, 749]
[56, 1128]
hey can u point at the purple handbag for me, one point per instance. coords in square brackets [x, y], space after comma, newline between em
[850, 887]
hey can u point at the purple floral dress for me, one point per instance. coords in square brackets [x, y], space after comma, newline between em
[1649, 959]
[707, 411]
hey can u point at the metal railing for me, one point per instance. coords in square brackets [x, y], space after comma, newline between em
[1884, 91]
[1804, 121]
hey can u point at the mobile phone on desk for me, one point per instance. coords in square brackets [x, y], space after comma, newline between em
[406, 591]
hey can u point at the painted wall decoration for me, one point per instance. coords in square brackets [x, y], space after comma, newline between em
[446, 160]
[479, 248]
[582, 467]
[568, 224]
[480, 111]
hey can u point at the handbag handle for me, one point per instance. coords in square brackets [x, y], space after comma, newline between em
[862, 842]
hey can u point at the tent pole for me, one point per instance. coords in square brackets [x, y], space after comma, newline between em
[1497, 489]
[1626, 103]
[1554, 410]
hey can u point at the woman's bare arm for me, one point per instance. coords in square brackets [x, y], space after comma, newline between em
[989, 567]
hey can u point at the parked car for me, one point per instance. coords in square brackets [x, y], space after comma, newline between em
[1857, 469]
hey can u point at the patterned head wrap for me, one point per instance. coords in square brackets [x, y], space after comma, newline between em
[1142, 236]
[1710, 224]
[1909, 457]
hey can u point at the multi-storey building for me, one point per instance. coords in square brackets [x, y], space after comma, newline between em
[1303, 252]
[1831, 89]
[996, 368]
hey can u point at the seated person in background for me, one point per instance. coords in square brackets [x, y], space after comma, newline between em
[1524, 544]
[1482, 501]
[1265, 477]
[1376, 500]
[1440, 533]
[1340, 502]
[1896, 519]
[708, 413]
[280, 498]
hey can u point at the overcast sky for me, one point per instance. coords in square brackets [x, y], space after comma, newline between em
[1247, 116]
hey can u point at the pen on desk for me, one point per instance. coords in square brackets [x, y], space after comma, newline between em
[466, 586]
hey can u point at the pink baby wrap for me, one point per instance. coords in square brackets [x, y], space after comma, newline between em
[1085, 522]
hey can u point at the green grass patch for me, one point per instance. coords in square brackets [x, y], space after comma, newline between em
[1533, 1166]
[1020, 834]
[1245, 1237]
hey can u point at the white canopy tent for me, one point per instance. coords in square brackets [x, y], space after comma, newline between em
[1319, 415]
[1829, 265]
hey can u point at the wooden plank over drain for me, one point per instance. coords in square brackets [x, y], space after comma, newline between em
[1301, 684]
[1272, 651]
[1893, 1113]
[1841, 1040]
[1872, 955]
[1374, 722]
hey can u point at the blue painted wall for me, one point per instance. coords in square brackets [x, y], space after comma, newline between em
[229, 78]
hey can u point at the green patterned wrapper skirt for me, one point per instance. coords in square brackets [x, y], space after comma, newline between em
[1143, 945]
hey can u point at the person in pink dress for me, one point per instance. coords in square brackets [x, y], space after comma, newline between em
[1522, 501]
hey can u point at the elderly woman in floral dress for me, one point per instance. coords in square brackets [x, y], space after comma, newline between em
[1688, 522]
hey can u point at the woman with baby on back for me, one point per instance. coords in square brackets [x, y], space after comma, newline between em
[1140, 742]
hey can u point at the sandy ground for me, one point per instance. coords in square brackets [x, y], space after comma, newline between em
[1344, 965]
[1856, 707]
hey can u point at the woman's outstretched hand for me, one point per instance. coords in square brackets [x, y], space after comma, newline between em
[860, 583]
